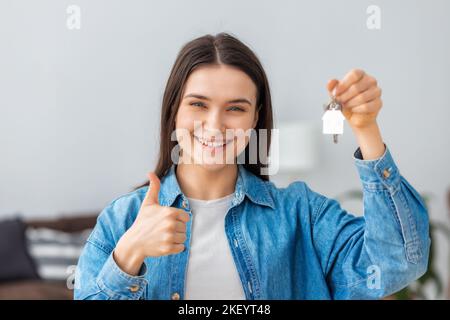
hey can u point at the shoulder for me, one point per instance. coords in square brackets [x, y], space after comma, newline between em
[297, 194]
[116, 218]
[124, 206]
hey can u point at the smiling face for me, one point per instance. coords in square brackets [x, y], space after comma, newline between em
[216, 113]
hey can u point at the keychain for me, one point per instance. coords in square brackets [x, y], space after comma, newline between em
[333, 119]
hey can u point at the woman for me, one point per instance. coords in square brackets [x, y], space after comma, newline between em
[211, 227]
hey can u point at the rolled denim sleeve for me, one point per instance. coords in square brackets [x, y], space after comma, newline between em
[97, 276]
[380, 253]
[108, 282]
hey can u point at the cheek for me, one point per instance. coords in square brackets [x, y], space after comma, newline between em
[183, 127]
[240, 124]
[184, 120]
[239, 120]
[243, 129]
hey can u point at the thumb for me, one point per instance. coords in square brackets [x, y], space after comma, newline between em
[332, 86]
[153, 190]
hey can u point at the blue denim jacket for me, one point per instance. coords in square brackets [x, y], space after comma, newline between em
[287, 243]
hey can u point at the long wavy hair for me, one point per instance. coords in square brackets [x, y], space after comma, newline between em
[213, 50]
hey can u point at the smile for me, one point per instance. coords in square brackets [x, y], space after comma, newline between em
[212, 144]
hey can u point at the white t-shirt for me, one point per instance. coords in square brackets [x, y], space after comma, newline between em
[211, 272]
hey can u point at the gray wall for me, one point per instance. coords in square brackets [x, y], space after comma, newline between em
[80, 108]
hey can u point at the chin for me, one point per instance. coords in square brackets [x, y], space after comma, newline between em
[213, 167]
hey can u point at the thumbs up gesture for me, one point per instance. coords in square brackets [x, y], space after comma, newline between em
[157, 231]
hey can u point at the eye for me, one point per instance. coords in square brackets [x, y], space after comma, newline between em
[197, 104]
[236, 108]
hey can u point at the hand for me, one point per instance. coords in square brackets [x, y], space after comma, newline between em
[359, 96]
[157, 231]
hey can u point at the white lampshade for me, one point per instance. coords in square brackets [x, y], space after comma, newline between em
[297, 144]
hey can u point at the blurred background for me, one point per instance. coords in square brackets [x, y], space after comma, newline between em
[81, 85]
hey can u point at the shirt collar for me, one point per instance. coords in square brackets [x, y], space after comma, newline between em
[247, 184]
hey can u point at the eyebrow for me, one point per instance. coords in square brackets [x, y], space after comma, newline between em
[199, 96]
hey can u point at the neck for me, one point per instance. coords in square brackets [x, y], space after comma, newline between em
[200, 183]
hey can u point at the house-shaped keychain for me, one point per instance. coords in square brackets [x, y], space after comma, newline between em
[333, 122]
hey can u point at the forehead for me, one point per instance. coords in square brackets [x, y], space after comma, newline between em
[221, 82]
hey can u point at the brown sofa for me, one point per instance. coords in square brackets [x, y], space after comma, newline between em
[44, 289]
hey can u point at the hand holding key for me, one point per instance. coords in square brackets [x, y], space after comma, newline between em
[360, 97]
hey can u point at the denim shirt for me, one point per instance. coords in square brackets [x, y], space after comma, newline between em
[287, 243]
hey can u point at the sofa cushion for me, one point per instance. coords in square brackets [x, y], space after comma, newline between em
[55, 253]
[16, 263]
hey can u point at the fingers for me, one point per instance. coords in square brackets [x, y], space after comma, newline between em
[153, 190]
[355, 89]
[182, 216]
[369, 107]
[177, 248]
[363, 97]
[350, 78]
[180, 226]
[179, 237]
[172, 248]
[331, 86]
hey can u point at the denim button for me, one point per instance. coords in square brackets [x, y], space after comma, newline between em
[134, 288]
[176, 296]
[184, 204]
[386, 173]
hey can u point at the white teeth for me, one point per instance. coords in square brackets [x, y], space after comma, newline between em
[211, 144]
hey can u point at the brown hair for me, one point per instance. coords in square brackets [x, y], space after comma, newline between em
[209, 50]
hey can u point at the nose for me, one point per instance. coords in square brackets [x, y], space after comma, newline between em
[214, 122]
